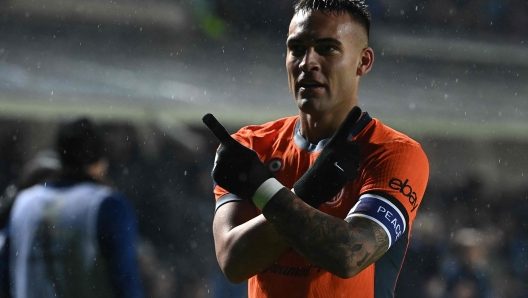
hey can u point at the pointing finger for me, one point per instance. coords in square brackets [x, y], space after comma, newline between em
[217, 129]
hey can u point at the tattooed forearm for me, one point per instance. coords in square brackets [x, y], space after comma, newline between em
[344, 248]
[381, 236]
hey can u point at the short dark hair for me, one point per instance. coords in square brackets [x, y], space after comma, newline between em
[79, 143]
[44, 167]
[357, 9]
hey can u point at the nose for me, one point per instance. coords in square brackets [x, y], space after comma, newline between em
[310, 61]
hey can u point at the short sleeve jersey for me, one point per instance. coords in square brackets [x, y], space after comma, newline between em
[393, 176]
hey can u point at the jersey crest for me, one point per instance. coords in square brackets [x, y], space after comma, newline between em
[275, 164]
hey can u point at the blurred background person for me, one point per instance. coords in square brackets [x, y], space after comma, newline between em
[469, 275]
[74, 237]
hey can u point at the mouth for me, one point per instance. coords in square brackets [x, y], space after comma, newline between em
[310, 86]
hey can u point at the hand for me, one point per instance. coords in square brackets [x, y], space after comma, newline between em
[336, 165]
[237, 168]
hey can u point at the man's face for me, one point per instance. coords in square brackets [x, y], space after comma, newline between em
[324, 52]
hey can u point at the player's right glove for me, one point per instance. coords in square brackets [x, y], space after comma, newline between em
[336, 165]
[237, 168]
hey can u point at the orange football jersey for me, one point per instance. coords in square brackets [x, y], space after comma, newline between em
[393, 176]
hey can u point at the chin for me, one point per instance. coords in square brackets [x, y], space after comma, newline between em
[310, 109]
[309, 106]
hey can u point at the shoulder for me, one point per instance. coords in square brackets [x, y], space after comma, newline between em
[115, 205]
[29, 195]
[267, 131]
[266, 128]
[379, 133]
[31, 191]
[115, 198]
[383, 141]
[394, 164]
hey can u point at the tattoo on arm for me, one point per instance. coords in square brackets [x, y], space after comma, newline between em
[332, 243]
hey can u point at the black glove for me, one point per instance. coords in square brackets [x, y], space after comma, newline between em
[237, 168]
[336, 165]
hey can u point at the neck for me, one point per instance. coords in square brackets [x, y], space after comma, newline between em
[320, 126]
[315, 128]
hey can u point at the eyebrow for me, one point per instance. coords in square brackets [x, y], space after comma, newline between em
[317, 41]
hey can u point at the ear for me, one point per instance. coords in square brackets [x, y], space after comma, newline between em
[366, 61]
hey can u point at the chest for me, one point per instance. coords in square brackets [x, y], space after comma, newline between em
[288, 163]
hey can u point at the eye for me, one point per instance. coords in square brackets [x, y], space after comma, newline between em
[296, 50]
[327, 48]
[330, 48]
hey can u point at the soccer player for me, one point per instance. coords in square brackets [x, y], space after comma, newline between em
[74, 237]
[322, 204]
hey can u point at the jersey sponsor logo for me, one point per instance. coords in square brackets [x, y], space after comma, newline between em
[275, 164]
[292, 271]
[289, 271]
[405, 189]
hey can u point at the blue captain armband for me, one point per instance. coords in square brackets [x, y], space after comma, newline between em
[383, 212]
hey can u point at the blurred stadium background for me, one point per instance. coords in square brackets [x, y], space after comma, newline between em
[452, 74]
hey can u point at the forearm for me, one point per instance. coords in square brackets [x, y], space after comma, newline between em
[332, 243]
[247, 249]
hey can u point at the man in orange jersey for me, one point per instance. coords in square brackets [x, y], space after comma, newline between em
[322, 203]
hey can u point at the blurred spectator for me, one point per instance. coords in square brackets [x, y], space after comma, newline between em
[467, 268]
[74, 237]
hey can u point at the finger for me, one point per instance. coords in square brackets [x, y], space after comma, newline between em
[217, 129]
[347, 125]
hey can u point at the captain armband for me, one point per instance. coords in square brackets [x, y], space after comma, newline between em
[383, 212]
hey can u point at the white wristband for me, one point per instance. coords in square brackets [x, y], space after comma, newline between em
[266, 191]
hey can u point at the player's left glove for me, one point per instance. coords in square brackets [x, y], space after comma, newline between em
[237, 168]
[336, 165]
